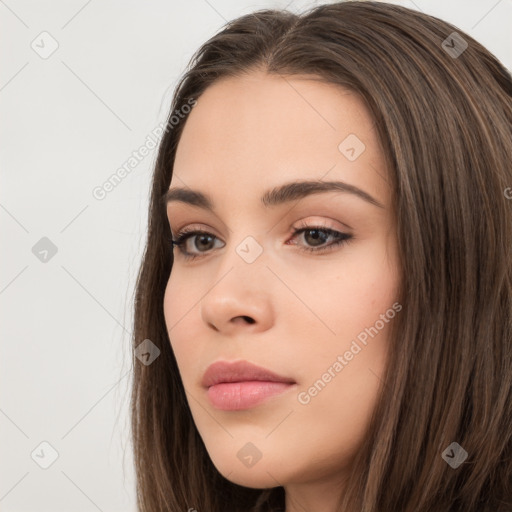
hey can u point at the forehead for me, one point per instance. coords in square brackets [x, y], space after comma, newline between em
[262, 129]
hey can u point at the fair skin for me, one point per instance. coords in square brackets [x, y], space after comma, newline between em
[291, 311]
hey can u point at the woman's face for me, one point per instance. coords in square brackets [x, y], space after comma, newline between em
[314, 307]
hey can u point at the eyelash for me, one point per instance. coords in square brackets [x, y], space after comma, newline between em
[342, 238]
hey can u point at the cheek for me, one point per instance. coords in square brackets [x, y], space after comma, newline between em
[340, 394]
[180, 301]
[347, 294]
[172, 306]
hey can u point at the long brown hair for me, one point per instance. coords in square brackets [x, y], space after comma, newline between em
[443, 112]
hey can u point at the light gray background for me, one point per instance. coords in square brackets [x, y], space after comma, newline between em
[68, 122]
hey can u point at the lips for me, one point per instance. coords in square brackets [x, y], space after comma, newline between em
[242, 385]
[241, 371]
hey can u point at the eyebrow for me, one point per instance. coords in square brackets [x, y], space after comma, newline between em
[276, 196]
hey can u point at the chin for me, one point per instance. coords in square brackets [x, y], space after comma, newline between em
[262, 474]
[259, 479]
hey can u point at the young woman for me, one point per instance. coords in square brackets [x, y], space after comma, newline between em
[327, 276]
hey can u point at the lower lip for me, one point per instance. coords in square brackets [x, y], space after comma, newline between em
[235, 396]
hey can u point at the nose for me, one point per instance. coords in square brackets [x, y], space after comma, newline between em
[240, 299]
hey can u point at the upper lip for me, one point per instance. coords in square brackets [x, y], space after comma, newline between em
[224, 371]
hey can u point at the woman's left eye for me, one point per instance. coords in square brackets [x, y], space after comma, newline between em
[315, 236]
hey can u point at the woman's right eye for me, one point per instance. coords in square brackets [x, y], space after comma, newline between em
[187, 239]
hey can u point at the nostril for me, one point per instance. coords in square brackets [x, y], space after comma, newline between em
[248, 319]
